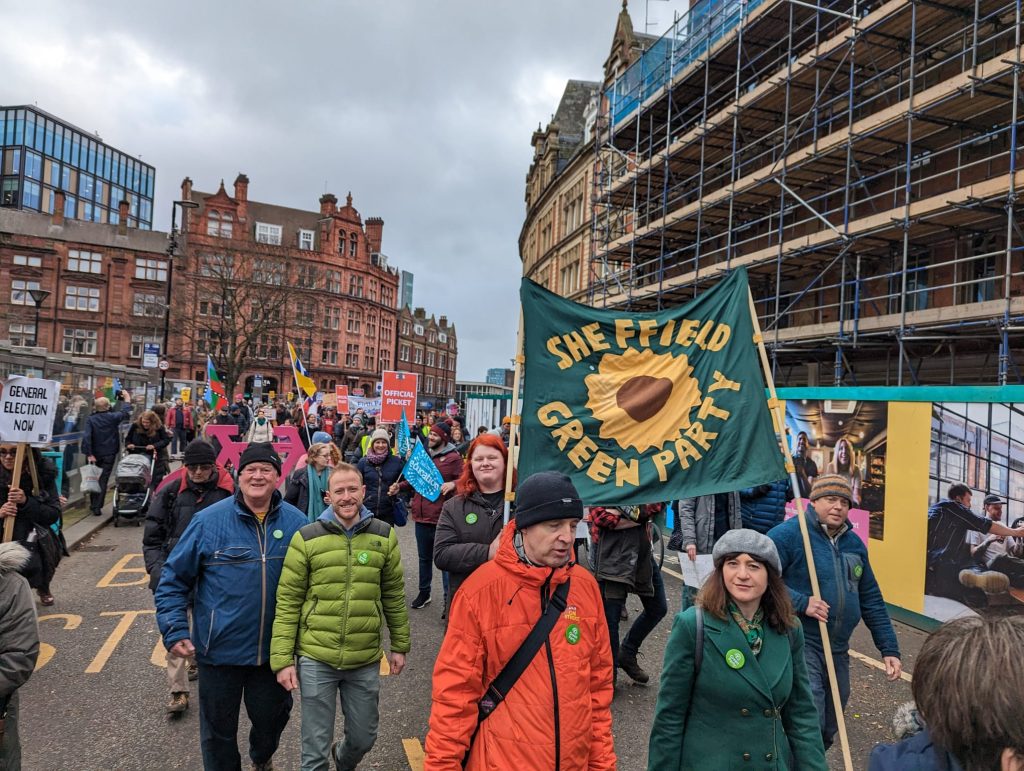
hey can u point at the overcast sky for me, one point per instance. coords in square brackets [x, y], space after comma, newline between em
[423, 110]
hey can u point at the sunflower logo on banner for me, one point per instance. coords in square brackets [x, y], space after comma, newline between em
[638, 408]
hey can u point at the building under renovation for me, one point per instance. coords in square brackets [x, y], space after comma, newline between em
[861, 159]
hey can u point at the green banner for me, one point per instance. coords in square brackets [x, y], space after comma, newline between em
[646, 407]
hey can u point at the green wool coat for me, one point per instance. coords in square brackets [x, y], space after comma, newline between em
[750, 717]
[337, 592]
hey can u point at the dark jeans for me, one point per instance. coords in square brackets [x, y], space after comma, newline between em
[221, 692]
[817, 674]
[178, 441]
[425, 550]
[655, 608]
[1013, 567]
[96, 499]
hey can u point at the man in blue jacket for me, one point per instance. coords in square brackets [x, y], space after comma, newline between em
[848, 588]
[227, 565]
[101, 441]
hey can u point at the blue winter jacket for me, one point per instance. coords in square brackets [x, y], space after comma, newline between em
[226, 565]
[916, 753]
[846, 580]
[101, 438]
[377, 480]
[764, 506]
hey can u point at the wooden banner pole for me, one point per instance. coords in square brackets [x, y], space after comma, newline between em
[780, 428]
[513, 429]
[19, 460]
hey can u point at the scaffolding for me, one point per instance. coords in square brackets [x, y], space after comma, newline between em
[861, 159]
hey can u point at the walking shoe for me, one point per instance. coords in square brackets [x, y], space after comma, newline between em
[989, 581]
[193, 671]
[268, 766]
[629, 665]
[422, 600]
[334, 756]
[178, 702]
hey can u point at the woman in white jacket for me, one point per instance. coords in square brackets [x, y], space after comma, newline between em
[262, 428]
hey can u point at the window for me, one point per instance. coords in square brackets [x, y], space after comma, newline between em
[406, 328]
[355, 286]
[214, 306]
[269, 348]
[418, 356]
[431, 336]
[430, 358]
[82, 298]
[353, 245]
[306, 240]
[307, 276]
[570, 278]
[150, 270]
[139, 345]
[85, 262]
[332, 318]
[209, 341]
[386, 328]
[268, 234]
[260, 311]
[373, 291]
[305, 313]
[216, 265]
[219, 224]
[371, 325]
[269, 272]
[20, 292]
[28, 262]
[385, 359]
[80, 341]
[354, 317]
[403, 352]
[341, 242]
[22, 334]
[443, 363]
[333, 281]
[429, 386]
[387, 296]
[368, 357]
[145, 304]
[329, 352]
[352, 355]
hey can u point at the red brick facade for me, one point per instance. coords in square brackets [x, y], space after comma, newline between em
[430, 349]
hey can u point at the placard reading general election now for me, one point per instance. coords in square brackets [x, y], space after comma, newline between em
[27, 409]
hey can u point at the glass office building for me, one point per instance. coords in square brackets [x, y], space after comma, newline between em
[40, 154]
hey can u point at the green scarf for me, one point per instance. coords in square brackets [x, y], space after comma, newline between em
[752, 628]
[317, 487]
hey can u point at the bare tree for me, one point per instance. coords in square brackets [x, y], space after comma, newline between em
[239, 310]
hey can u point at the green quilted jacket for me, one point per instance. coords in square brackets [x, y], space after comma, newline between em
[337, 592]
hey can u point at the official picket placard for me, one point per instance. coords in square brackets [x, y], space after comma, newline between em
[341, 396]
[398, 395]
[646, 407]
[27, 409]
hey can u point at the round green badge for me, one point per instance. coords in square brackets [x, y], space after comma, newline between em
[572, 634]
[471, 518]
[735, 658]
[278, 534]
[858, 571]
[363, 558]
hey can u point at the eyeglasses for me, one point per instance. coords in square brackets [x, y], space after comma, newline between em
[200, 467]
[10, 453]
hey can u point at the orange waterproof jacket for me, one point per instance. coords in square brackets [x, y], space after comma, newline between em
[557, 717]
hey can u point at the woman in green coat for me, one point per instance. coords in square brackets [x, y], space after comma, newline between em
[743, 701]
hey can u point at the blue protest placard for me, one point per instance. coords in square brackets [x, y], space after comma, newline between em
[422, 474]
[403, 438]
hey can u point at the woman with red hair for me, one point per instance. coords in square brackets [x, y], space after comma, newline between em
[471, 522]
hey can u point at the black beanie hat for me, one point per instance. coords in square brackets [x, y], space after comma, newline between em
[544, 496]
[260, 452]
[199, 451]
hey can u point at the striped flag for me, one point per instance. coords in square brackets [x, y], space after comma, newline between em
[215, 393]
[302, 378]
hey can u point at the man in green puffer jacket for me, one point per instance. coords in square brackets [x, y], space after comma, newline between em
[341, 583]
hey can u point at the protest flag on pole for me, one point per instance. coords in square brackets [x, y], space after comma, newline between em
[404, 438]
[215, 394]
[302, 379]
[422, 474]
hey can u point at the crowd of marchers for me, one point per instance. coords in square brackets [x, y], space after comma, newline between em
[268, 587]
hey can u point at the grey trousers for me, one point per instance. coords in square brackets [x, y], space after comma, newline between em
[10, 749]
[319, 687]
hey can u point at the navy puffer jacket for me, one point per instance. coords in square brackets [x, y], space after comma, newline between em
[764, 506]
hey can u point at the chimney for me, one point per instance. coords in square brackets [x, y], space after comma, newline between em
[443, 322]
[122, 218]
[186, 189]
[58, 207]
[242, 196]
[374, 230]
[328, 205]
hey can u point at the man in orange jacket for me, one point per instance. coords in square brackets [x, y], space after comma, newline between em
[557, 715]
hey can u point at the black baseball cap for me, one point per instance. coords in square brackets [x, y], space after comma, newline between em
[993, 499]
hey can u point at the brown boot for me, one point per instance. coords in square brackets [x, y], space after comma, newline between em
[178, 703]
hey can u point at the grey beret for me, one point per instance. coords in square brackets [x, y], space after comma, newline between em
[751, 542]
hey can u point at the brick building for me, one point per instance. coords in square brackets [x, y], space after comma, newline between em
[429, 348]
[106, 285]
[258, 276]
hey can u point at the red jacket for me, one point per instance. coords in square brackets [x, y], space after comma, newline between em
[449, 463]
[172, 418]
[491, 615]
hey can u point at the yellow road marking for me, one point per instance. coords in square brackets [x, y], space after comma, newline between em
[878, 665]
[47, 651]
[127, 619]
[121, 567]
[414, 753]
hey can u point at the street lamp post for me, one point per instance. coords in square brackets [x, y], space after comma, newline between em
[172, 245]
[38, 297]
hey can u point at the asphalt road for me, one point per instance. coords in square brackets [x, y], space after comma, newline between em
[97, 699]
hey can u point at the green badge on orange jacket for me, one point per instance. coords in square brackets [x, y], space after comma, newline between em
[572, 634]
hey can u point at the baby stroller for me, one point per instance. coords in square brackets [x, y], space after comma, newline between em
[131, 487]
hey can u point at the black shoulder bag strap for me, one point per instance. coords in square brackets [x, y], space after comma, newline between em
[514, 668]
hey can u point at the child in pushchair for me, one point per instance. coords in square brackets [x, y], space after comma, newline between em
[132, 492]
